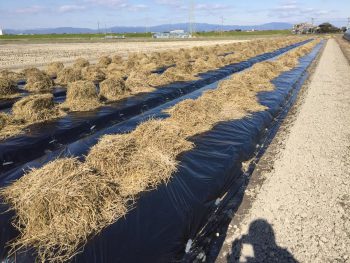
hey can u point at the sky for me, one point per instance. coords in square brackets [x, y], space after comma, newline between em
[25, 14]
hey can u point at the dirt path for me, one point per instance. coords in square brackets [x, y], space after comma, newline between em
[19, 56]
[301, 211]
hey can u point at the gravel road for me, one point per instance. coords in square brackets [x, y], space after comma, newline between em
[19, 56]
[300, 211]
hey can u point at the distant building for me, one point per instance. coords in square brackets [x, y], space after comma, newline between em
[304, 28]
[172, 34]
[2, 32]
[115, 37]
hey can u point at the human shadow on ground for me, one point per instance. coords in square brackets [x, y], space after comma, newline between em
[262, 243]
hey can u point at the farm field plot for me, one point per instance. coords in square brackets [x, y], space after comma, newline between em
[19, 56]
[120, 167]
[119, 78]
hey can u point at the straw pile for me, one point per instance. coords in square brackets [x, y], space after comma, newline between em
[35, 108]
[81, 190]
[80, 63]
[159, 80]
[14, 76]
[81, 96]
[137, 81]
[113, 89]
[53, 68]
[137, 161]
[39, 82]
[8, 88]
[31, 71]
[115, 67]
[3, 120]
[117, 59]
[104, 61]
[68, 75]
[27, 111]
[93, 73]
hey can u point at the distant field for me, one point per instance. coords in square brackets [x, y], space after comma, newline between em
[243, 33]
[132, 37]
[18, 55]
[73, 36]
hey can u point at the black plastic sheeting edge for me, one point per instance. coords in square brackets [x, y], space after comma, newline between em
[159, 227]
[347, 35]
[46, 137]
[207, 242]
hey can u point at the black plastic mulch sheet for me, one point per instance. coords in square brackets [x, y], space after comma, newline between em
[347, 35]
[45, 137]
[163, 220]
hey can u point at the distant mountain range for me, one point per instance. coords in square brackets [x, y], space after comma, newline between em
[202, 27]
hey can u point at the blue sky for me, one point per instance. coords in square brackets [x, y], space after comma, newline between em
[23, 14]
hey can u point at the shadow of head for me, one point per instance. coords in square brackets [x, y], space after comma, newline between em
[259, 245]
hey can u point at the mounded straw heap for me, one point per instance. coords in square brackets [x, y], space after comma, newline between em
[35, 108]
[104, 61]
[129, 163]
[14, 76]
[3, 120]
[53, 68]
[93, 73]
[31, 71]
[8, 88]
[28, 110]
[81, 190]
[81, 96]
[137, 81]
[113, 89]
[117, 59]
[80, 63]
[68, 75]
[38, 82]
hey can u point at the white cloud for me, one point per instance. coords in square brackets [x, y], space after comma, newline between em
[137, 7]
[70, 8]
[212, 7]
[296, 11]
[118, 4]
[35, 9]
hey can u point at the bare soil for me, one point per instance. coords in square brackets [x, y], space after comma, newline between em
[298, 210]
[19, 56]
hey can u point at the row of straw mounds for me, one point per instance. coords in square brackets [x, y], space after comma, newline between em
[120, 78]
[66, 202]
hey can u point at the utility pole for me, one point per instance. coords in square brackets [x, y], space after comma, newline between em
[222, 25]
[98, 27]
[312, 21]
[191, 19]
